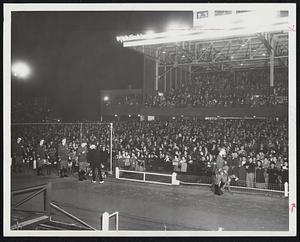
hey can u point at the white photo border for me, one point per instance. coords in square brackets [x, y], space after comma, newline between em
[9, 8]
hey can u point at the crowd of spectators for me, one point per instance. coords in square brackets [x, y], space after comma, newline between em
[248, 88]
[261, 145]
[29, 109]
[130, 99]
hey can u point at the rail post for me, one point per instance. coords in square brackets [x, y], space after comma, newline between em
[117, 172]
[286, 189]
[47, 198]
[105, 221]
[174, 180]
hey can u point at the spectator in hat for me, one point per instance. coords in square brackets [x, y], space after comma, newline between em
[18, 155]
[272, 176]
[82, 160]
[63, 156]
[250, 170]
[259, 175]
[94, 159]
[285, 172]
[41, 157]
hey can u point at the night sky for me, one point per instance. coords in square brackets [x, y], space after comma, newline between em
[74, 55]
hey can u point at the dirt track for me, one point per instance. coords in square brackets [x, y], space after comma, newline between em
[159, 207]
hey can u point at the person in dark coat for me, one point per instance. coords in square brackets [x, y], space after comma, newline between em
[18, 156]
[82, 160]
[63, 156]
[220, 174]
[104, 159]
[259, 175]
[41, 157]
[285, 172]
[94, 159]
[272, 176]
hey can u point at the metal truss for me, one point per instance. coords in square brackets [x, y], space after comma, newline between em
[252, 51]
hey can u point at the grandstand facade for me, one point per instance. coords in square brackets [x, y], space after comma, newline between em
[245, 69]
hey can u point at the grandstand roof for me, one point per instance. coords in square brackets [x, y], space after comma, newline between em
[236, 44]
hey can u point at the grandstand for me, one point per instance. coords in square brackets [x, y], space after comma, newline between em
[206, 88]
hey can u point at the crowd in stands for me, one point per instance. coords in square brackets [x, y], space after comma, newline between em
[249, 88]
[130, 99]
[223, 89]
[187, 146]
[29, 109]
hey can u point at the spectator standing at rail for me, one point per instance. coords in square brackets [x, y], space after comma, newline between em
[259, 175]
[52, 155]
[41, 157]
[272, 176]
[250, 169]
[94, 159]
[82, 160]
[266, 165]
[104, 157]
[285, 172]
[63, 153]
[242, 174]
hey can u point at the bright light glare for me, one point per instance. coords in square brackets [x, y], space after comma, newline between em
[177, 26]
[149, 32]
[21, 69]
[106, 98]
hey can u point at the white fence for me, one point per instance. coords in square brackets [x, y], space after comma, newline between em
[173, 177]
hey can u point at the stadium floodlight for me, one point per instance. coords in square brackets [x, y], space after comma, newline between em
[21, 69]
[106, 98]
[150, 32]
[177, 26]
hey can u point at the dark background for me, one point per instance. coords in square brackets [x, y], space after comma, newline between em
[73, 55]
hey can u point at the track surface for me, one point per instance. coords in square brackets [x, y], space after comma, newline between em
[158, 207]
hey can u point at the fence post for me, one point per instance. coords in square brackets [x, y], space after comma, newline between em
[286, 189]
[105, 221]
[47, 198]
[144, 176]
[117, 172]
[174, 180]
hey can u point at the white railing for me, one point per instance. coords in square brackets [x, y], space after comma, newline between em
[173, 177]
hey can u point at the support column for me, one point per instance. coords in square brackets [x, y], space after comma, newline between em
[176, 70]
[272, 64]
[165, 79]
[190, 73]
[156, 70]
[170, 87]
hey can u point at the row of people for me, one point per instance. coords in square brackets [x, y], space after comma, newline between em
[196, 143]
